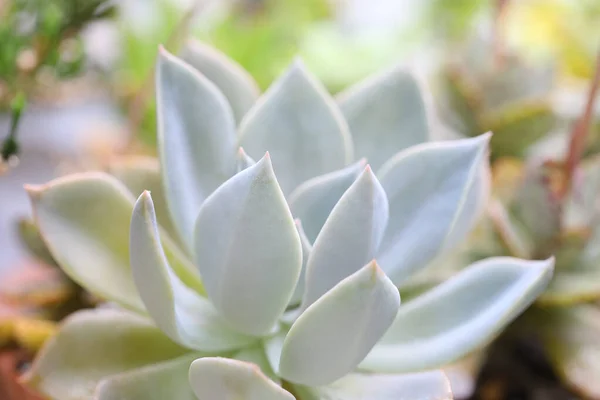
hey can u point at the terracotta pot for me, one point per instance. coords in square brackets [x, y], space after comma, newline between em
[10, 386]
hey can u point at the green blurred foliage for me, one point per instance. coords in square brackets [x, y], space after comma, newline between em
[39, 35]
[264, 35]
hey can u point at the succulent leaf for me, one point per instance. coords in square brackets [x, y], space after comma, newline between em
[517, 126]
[430, 385]
[386, 113]
[248, 249]
[460, 315]
[83, 219]
[313, 200]
[164, 380]
[95, 344]
[196, 135]
[143, 173]
[336, 332]
[243, 160]
[570, 336]
[428, 187]
[223, 378]
[300, 125]
[181, 313]
[257, 356]
[233, 81]
[350, 237]
[306, 249]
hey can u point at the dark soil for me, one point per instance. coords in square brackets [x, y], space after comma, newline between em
[519, 370]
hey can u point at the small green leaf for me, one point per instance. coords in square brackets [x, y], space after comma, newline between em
[517, 126]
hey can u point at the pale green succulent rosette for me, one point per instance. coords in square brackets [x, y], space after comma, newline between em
[235, 283]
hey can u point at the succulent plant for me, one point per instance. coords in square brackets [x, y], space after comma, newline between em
[547, 205]
[271, 308]
[510, 97]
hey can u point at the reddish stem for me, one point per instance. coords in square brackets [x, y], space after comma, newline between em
[581, 129]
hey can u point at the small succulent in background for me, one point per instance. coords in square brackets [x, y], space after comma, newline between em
[479, 92]
[216, 291]
[548, 205]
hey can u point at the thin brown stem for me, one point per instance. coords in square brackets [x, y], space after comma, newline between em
[581, 130]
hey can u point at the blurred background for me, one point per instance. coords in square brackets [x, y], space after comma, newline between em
[76, 83]
[76, 75]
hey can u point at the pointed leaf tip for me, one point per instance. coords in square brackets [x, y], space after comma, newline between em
[298, 121]
[196, 139]
[248, 250]
[356, 224]
[340, 328]
[428, 186]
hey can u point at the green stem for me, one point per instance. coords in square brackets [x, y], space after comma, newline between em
[10, 147]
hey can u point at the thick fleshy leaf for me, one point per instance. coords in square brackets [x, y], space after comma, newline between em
[196, 139]
[248, 249]
[427, 188]
[577, 285]
[84, 220]
[273, 345]
[306, 249]
[313, 200]
[386, 114]
[577, 277]
[571, 339]
[235, 83]
[143, 173]
[298, 122]
[473, 208]
[257, 355]
[350, 237]
[431, 385]
[460, 315]
[165, 380]
[517, 126]
[337, 331]
[463, 374]
[538, 208]
[95, 344]
[181, 313]
[226, 379]
[243, 160]
[459, 102]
